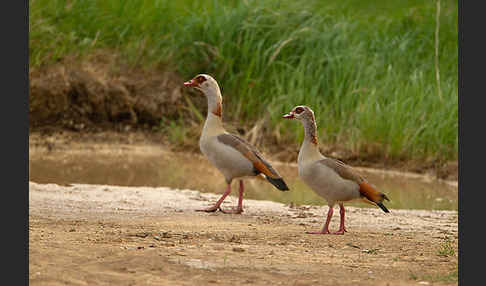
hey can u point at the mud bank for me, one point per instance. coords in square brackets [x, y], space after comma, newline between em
[102, 94]
[100, 234]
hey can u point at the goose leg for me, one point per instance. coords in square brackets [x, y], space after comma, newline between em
[239, 208]
[325, 229]
[219, 202]
[342, 229]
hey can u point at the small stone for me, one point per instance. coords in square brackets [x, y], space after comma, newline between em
[166, 235]
[238, 249]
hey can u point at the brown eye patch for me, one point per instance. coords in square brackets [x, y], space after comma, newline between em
[200, 79]
[299, 110]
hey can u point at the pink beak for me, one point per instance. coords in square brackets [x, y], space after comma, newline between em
[190, 83]
[289, 116]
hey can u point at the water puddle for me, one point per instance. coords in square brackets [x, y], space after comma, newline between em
[189, 171]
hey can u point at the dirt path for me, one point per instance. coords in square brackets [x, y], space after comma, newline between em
[108, 235]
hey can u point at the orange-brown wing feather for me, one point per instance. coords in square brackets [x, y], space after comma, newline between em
[346, 172]
[369, 192]
[249, 152]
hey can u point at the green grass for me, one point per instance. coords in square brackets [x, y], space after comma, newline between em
[446, 249]
[366, 67]
[448, 277]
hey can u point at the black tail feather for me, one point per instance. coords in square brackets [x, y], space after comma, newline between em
[278, 183]
[383, 207]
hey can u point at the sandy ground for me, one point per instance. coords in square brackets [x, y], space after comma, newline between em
[110, 235]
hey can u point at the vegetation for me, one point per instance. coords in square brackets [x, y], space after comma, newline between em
[446, 249]
[367, 68]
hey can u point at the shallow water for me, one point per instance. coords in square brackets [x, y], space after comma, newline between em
[189, 171]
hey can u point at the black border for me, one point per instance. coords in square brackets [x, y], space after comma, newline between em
[471, 65]
[14, 29]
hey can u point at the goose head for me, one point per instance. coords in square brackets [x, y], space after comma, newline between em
[306, 116]
[210, 88]
[301, 113]
[204, 83]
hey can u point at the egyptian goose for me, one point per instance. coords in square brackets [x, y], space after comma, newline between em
[330, 178]
[232, 155]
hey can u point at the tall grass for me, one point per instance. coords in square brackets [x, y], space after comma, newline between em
[365, 67]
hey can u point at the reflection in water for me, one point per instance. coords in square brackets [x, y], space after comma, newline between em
[189, 171]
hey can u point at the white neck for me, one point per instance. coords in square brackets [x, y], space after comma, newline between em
[213, 126]
[214, 123]
[309, 151]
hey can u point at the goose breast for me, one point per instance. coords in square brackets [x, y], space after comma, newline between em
[226, 158]
[328, 183]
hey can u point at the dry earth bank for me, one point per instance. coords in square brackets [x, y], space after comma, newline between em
[105, 235]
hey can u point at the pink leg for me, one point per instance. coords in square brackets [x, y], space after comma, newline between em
[342, 229]
[219, 202]
[325, 229]
[239, 208]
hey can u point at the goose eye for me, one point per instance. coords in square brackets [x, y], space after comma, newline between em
[200, 79]
[299, 110]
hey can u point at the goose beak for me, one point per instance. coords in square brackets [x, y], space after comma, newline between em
[289, 116]
[191, 83]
